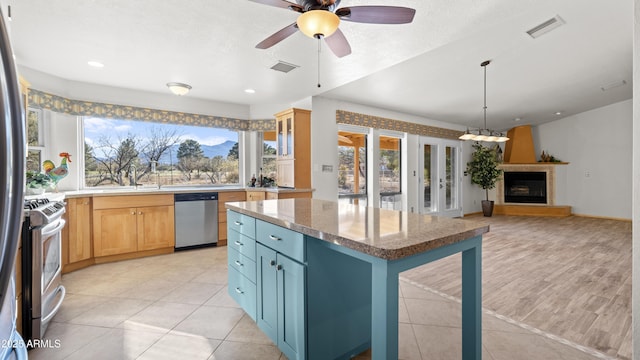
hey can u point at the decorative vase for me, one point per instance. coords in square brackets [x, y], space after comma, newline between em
[487, 207]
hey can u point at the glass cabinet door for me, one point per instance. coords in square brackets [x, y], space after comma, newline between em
[280, 137]
[289, 132]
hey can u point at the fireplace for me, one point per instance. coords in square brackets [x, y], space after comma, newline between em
[525, 187]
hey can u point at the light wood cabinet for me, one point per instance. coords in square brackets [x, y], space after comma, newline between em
[77, 248]
[288, 195]
[120, 228]
[293, 129]
[255, 195]
[224, 197]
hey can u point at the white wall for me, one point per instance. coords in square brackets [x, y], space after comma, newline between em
[597, 144]
[325, 152]
[62, 136]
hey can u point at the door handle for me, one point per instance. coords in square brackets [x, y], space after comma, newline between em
[238, 243]
[239, 291]
[274, 238]
[238, 263]
[238, 223]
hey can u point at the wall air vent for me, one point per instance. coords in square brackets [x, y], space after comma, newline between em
[545, 27]
[284, 66]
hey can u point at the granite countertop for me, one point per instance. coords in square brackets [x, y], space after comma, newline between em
[382, 233]
[152, 190]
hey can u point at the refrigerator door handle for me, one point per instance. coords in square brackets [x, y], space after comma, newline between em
[12, 158]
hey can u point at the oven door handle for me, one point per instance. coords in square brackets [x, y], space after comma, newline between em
[46, 232]
[52, 313]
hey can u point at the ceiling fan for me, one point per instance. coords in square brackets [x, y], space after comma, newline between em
[320, 19]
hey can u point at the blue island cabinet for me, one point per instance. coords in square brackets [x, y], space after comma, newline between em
[314, 303]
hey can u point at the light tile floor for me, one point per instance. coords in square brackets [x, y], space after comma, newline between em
[176, 307]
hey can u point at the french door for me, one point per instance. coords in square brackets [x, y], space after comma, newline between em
[441, 178]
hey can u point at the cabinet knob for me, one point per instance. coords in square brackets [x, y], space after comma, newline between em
[279, 267]
[140, 213]
[272, 262]
[133, 213]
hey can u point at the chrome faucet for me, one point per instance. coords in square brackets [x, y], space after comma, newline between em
[135, 176]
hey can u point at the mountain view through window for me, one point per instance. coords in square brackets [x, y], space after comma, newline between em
[117, 151]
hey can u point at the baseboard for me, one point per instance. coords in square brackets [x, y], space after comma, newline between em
[603, 217]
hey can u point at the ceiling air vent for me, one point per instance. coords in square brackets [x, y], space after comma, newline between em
[545, 27]
[284, 66]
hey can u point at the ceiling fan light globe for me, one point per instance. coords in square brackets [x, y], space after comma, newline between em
[467, 136]
[318, 22]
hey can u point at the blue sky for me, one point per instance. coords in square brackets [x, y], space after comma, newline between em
[95, 128]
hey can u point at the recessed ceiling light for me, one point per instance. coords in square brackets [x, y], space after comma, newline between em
[250, 91]
[96, 64]
[517, 119]
[558, 112]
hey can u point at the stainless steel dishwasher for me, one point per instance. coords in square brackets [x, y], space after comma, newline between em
[196, 216]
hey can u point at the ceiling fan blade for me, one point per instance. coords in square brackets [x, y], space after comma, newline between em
[281, 4]
[278, 36]
[377, 14]
[338, 44]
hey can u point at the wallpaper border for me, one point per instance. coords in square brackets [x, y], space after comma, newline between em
[43, 100]
[377, 122]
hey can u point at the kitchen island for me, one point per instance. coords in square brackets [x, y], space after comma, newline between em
[321, 278]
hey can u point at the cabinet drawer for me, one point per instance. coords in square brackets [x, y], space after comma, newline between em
[242, 244]
[243, 224]
[243, 292]
[284, 241]
[243, 264]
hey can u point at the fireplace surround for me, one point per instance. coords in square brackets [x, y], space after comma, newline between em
[526, 186]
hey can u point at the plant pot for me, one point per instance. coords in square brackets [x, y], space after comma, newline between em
[487, 207]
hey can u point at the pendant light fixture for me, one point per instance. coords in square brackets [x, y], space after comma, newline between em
[484, 134]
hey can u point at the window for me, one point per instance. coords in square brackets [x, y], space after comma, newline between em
[390, 171]
[352, 167]
[158, 154]
[35, 139]
[268, 167]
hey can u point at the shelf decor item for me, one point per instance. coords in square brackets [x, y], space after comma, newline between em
[484, 172]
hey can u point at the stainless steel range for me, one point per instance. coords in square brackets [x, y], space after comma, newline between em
[42, 290]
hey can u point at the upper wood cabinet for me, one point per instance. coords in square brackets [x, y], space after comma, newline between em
[293, 129]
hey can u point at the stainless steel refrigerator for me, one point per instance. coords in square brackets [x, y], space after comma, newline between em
[12, 163]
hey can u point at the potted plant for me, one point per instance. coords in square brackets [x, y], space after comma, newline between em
[484, 172]
[37, 183]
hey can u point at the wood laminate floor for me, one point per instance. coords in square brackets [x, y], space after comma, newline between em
[570, 277]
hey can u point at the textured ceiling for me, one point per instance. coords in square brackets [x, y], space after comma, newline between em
[429, 68]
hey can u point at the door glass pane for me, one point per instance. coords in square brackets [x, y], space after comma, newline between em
[352, 168]
[390, 171]
[427, 178]
[450, 184]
